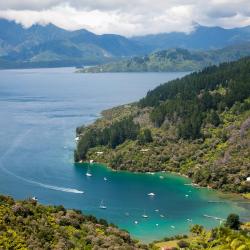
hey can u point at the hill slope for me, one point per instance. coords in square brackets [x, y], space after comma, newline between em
[173, 60]
[198, 126]
[29, 225]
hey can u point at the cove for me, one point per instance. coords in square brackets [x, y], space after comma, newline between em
[174, 207]
[40, 109]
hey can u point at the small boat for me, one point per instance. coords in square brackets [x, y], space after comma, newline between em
[189, 220]
[105, 179]
[34, 198]
[77, 138]
[102, 206]
[88, 174]
[91, 161]
[144, 215]
[186, 195]
[157, 224]
[136, 222]
[162, 216]
[172, 226]
[151, 194]
[161, 177]
[157, 210]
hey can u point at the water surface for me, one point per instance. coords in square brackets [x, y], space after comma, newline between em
[40, 109]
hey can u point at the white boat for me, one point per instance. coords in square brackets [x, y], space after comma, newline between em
[162, 216]
[91, 161]
[105, 179]
[172, 226]
[102, 206]
[34, 198]
[161, 177]
[88, 174]
[144, 215]
[151, 194]
[157, 210]
[157, 224]
[186, 195]
[136, 222]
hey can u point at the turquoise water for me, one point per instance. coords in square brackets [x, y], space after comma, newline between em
[40, 110]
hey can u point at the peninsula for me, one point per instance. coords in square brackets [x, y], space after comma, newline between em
[197, 126]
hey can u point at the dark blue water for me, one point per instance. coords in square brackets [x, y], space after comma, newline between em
[40, 110]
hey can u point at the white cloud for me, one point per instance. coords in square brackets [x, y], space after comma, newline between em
[128, 17]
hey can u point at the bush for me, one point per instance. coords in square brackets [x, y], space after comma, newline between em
[233, 221]
[183, 244]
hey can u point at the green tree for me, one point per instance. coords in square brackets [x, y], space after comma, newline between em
[233, 221]
[145, 136]
[183, 244]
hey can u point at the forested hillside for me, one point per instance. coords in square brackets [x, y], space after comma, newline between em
[173, 60]
[198, 126]
[30, 225]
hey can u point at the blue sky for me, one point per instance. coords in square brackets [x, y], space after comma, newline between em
[129, 17]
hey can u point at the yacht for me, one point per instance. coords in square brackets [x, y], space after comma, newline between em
[88, 173]
[144, 215]
[151, 194]
[102, 206]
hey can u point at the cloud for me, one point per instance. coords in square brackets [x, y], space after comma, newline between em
[128, 17]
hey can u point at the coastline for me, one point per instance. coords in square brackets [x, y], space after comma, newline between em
[225, 195]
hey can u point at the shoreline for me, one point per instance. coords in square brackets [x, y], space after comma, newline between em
[195, 185]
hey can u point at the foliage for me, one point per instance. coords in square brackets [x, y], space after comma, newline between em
[170, 60]
[145, 136]
[219, 238]
[112, 136]
[29, 225]
[233, 221]
[188, 101]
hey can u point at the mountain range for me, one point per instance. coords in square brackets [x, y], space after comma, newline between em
[50, 46]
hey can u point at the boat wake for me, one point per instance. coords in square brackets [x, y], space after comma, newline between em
[63, 189]
[12, 149]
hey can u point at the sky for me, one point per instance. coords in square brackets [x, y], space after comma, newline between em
[128, 17]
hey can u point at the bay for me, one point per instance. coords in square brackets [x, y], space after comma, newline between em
[40, 109]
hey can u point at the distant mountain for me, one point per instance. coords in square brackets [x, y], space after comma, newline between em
[174, 60]
[52, 46]
[201, 38]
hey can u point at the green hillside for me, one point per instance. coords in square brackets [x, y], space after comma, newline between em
[173, 60]
[30, 225]
[198, 126]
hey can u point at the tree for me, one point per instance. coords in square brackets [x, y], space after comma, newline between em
[145, 136]
[233, 221]
[196, 229]
[183, 244]
[213, 118]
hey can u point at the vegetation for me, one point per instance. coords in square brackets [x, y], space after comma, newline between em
[173, 60]
[29, 225]
[112, 136]
[199, 126]
[220, 238]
